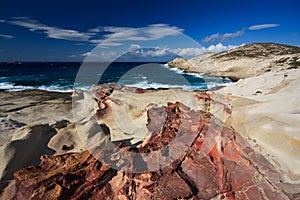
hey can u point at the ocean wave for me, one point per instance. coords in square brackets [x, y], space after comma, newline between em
[180, 71]
[12, 87]
[147, 85]
[142, 84]
[166, 65]
[216, 85]
[53, 88]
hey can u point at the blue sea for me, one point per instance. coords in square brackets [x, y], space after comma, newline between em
[64, 76]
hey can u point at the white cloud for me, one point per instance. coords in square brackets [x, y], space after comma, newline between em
[67, 35]
[220, 47]
[117, 35]
[227, 36]
[262, 26]
[72, 56]
[102, 55]
[191, 52]
[105, 36]
[6, 36]
[157, 52]
[151, 32]
[212, 37]
[2, 21]
[158, 31]
[115, 29]
[51, 31]
[222, 37]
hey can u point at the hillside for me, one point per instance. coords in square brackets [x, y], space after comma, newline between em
[243, 62]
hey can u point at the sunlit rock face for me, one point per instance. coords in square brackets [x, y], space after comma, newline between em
[243, 62]
[265, 109]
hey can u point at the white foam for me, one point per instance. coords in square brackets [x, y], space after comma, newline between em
[197, 75]
[180, 71]
[210, 85]
[54, 88]
[206, 86]
[213, 85]
[11, 87]
[147, 85]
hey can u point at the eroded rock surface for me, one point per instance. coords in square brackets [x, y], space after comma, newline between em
[208, 161]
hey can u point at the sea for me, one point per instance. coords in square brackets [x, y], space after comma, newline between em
[65, 76]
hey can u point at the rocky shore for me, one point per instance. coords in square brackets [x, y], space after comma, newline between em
[116, 142]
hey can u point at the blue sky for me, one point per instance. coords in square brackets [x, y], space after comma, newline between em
[70, 30]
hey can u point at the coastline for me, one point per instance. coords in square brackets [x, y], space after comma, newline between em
[50, 108]
[261, 110]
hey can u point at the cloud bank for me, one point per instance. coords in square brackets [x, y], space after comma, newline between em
[51, 31]
[136, 51]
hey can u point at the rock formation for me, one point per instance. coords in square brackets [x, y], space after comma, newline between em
[208, 161]
[80, 175]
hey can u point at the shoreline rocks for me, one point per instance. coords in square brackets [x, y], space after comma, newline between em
[227, 165]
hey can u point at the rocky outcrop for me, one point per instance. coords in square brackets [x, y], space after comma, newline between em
[243, 62]
[208, 161]
[181, 63]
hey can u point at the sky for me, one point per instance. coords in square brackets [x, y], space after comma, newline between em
[103, 30]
